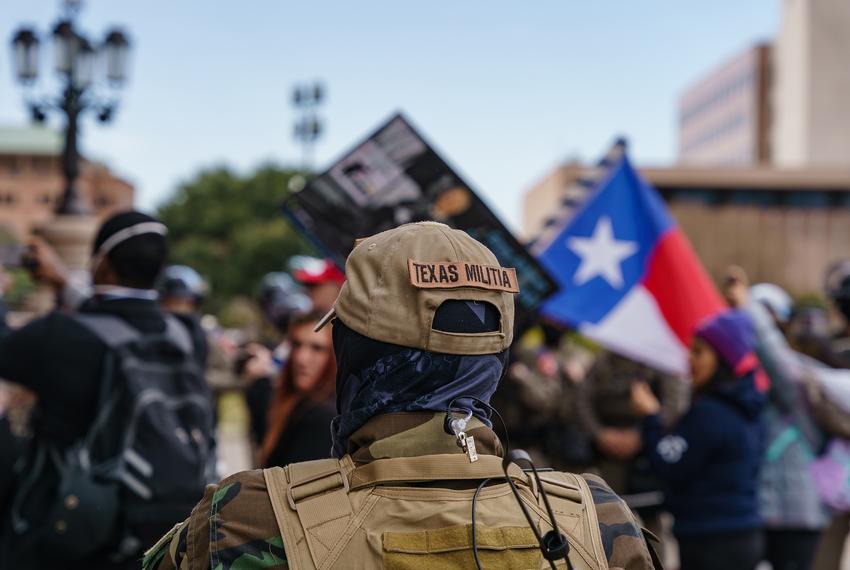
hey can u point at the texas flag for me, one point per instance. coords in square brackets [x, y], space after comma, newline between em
[628, 276]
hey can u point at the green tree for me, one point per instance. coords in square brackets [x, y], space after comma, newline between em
[231, 230]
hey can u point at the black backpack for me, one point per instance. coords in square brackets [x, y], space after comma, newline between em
[148, 454]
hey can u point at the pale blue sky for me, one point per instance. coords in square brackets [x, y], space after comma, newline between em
[505, 90]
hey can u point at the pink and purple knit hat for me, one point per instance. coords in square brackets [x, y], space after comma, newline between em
[731, 334]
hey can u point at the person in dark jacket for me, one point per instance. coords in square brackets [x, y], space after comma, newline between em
[303, 402]
[181, 293]
[709, 460]
[280, 299]
[791, 508]
[61, 361]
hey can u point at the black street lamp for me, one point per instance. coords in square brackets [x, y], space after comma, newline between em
[77, 62]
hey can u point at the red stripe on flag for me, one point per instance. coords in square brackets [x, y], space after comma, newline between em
[681, 287]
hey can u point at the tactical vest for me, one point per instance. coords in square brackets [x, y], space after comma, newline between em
[393, 514]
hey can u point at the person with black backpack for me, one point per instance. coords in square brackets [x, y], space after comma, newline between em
[123, 426]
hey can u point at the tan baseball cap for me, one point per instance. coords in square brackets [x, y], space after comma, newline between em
[397, 279]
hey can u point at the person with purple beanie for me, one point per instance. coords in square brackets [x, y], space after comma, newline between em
[709, 460]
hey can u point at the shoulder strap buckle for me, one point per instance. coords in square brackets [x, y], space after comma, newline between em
[308, 479]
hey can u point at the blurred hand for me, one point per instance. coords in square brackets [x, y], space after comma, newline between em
[736, 286]
[519, 372]
[14, 397]
[44, 264]
[259, 365]
[644, 401]
[547, 364]
[6, 282]
[619, 443]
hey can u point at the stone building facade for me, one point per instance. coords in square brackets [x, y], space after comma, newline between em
[31, 181]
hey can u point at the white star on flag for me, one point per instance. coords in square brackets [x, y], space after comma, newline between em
[601, 254]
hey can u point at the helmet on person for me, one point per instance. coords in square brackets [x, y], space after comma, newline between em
[775, 299]
[183, 282]
[280, 298]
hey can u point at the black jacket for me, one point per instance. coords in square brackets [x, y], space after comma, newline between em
[60, 360]
[200, 345]
[307, 435]
[710, 459]
[258, 396]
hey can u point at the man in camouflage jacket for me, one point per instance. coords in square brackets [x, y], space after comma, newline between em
[396, 389]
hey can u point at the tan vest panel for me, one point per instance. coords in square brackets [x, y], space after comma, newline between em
[332, 515]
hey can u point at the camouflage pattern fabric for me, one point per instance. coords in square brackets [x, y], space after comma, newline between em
[234, 528]
[627, 545]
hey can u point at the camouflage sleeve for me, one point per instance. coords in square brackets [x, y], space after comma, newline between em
[168, 553]
[233, 527]
[627, 545]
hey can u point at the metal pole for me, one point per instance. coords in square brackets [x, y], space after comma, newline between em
[71, 203]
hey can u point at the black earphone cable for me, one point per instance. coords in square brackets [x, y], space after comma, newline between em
[562, 547]
[485, 481]
[474, 538]
[493, 410]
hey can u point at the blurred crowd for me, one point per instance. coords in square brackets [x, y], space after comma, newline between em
[749, 455]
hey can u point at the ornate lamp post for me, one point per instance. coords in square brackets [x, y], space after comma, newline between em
[85, 69]
[77, 61]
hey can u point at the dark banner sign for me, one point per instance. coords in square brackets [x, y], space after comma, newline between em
[395, 177]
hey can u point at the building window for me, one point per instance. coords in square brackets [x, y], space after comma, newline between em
[10, 164]
[693, 196]
[42, 164]
[809, 199]
[745, 81]
[752, 198]
[48, 198]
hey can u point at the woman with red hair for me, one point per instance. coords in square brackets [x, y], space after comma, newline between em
[304, 401]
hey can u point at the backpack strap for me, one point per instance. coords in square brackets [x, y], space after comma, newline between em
[177, 334]
[442, 467]
[571, 488]
[115, 332]
[112, 331]
[310, 500]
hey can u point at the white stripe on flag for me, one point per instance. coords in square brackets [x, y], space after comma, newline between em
[636, 329]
